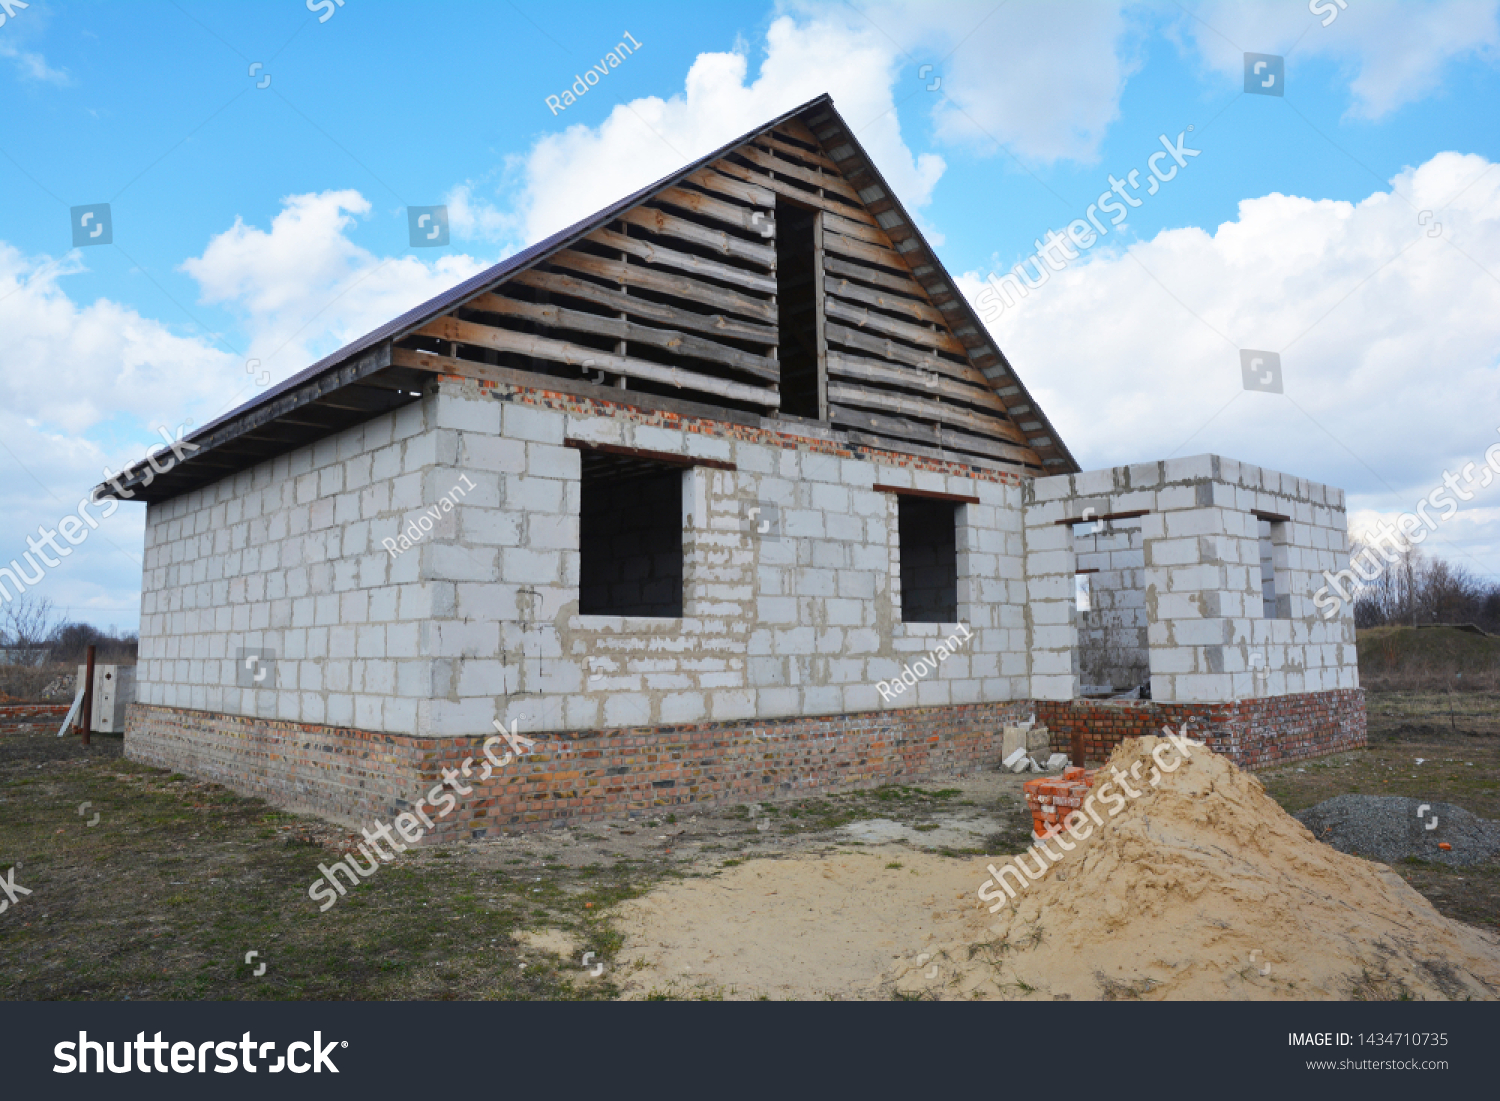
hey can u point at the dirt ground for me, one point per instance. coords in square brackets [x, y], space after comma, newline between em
[179, 880]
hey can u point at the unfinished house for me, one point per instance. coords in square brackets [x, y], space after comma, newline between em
[689, 494]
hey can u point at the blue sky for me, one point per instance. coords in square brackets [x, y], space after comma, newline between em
[268, 223]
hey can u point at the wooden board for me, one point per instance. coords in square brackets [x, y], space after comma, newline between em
[861, 250]
[898, 427]
[779, 145]
[670, 225]
[413, 361]
[711, 324]
[798, 130]
[913, 308]
[869, 234]
[885, 348]
[902, 447]
[903, 283]
[830, 183]
[693, 347]
[684, 261]
[742, 190]
[731, 214]
[791, 191]
[955, 440]
[577, 355]
[820, 317]
[617, 271]
[890, 402]
[871, 321]
[930, 384]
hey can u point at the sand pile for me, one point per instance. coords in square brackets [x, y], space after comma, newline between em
[1202, 888]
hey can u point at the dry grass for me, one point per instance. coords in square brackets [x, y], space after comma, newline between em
[1458, 737]
[1428, 659]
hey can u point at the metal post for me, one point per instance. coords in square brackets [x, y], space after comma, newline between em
[88, 697]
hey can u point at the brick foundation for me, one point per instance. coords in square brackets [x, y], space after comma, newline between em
[1254, 733]
[358, 776]
[573, 777]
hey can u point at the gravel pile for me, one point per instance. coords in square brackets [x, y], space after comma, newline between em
[1387, 828]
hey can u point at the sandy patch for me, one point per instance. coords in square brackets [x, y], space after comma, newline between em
[1200, 888]
[550, 940]
[805, 927]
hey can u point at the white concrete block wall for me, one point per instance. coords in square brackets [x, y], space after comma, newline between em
[479, 620]
[1208, 636]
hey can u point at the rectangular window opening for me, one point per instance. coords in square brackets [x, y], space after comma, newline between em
[1109, 594]
[1275, 604]
[928, 533]
[630, 537]
[797, 308]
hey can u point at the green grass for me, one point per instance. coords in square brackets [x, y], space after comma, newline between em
[180, 879]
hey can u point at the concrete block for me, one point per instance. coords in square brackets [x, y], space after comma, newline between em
[1188, 468]
[524, 422]
[1094, 482]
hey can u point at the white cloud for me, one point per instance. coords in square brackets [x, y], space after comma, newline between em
[32, 66]
[73, 366]
[83, 387]
[569, 175]
[1390, 339]
[1043, 79]
[1392, 53]
[77, 383]
[304, 288]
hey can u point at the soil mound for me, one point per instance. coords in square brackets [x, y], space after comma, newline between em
[1202, 887]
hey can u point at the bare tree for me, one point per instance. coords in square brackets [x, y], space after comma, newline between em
[26, 623]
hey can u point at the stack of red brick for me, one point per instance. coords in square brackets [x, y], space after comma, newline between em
[1051, 798]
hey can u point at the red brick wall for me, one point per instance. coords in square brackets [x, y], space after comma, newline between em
[33, 713]
[577, 776]
[595, 775]
[1254, 733]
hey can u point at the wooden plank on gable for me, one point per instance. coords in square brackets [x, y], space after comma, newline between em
[684, 261]
[861, 250]
[635, 275]
[827, 181]
[890, 402]
[791, 191]
[711, 324]
[863, 318]
[670, 225]
[693, 347]
[577, 355]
